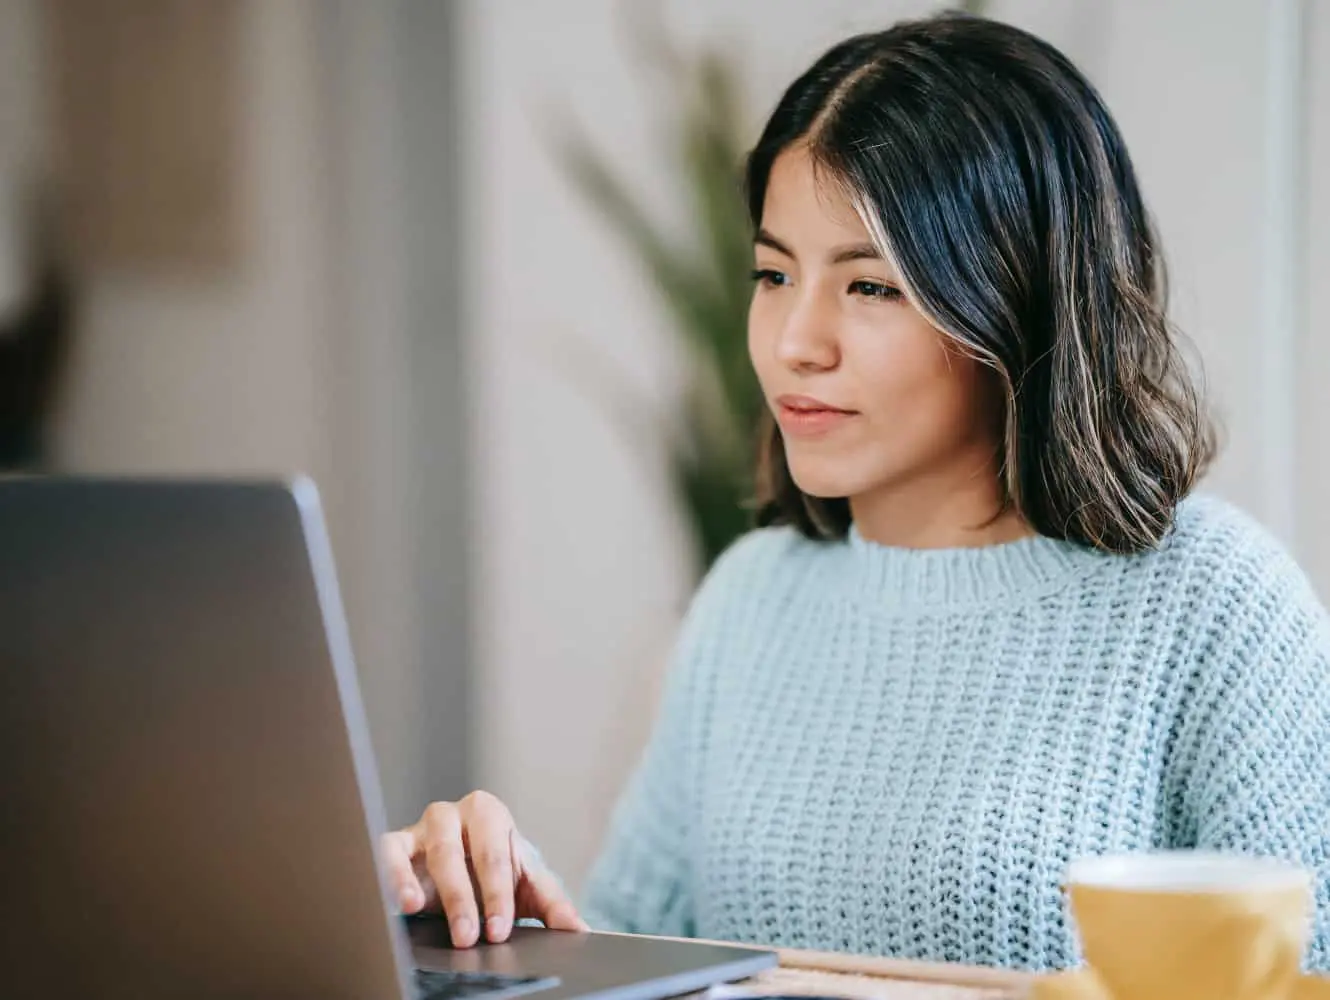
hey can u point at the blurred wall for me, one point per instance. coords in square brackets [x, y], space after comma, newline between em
[308, 357]
[21, 133]
[582, 568]
[222, 373]
[1312, 399]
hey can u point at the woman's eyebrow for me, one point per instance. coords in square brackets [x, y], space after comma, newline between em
[765, 239]
[856, 251]
[840, 255]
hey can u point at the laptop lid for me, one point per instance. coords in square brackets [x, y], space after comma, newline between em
[188, 799]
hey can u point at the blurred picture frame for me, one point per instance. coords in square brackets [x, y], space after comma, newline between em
[145, 132]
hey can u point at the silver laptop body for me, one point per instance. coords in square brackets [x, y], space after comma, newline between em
[189, 805]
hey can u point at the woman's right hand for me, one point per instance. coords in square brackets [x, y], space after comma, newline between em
[467, 860]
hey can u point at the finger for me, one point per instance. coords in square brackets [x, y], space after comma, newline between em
[543, 897]
[396, 850]
[489, 828]
[445, 858]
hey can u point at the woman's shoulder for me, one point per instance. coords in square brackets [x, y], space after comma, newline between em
[765, 548]
[742, 597]
[764, 558]
[757, 559]
[1232, 564]
[1216, 534]
[1205, 519]
[761, 570]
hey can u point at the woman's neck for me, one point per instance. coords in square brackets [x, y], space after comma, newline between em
[939, 511]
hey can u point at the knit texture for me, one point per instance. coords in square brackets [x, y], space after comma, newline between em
[897, 752]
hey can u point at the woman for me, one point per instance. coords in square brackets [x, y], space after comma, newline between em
[984, 629]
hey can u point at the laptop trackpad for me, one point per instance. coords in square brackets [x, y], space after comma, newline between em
[445, 973]
[454, 984]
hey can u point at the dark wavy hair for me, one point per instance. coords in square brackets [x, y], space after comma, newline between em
[992, 175]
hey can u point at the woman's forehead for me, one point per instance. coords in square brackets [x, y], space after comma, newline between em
[809, 201]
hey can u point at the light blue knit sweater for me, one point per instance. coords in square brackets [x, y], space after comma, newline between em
[897, 752]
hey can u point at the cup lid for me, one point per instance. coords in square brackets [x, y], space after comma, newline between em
[1186, 871]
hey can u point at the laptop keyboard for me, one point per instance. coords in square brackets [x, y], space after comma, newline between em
[450, 985]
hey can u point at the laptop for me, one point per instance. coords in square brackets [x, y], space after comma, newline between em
[189, 805]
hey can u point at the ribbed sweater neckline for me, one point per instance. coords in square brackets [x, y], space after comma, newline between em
[1029, 567]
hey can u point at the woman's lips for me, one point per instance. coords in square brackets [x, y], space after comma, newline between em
[805, 416]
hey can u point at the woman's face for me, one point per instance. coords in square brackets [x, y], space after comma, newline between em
[870, 397]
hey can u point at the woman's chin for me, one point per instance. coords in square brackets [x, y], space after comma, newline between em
[821, 484]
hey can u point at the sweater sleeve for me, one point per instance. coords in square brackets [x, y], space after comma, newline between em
[1262, 772]
[642, 881]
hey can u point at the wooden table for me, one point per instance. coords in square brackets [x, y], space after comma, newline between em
[858, 977]
[825, 973]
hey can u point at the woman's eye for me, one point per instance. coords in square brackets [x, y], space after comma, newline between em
[875, 290]
[770, 278]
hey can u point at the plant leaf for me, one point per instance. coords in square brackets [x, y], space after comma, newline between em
[703, 284]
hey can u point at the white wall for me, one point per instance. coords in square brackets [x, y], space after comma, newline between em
[582, 567]
[219, 374]
[1314, 355]
[296, 362]
[580, 563]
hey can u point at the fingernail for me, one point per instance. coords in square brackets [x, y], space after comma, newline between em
[496, 928]
[461, 930]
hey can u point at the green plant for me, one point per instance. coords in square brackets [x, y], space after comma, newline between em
[703, 281]
[704, 284]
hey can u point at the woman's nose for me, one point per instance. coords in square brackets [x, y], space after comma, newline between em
[808, 337]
